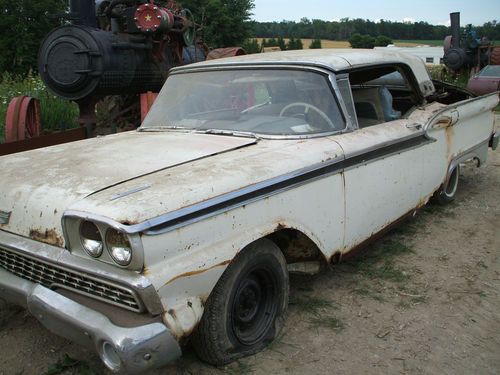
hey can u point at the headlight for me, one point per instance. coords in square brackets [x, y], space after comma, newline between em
[91, 239]
[119, 247]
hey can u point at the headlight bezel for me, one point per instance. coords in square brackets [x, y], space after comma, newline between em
[71, 228]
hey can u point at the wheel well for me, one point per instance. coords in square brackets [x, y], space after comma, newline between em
[296, 246]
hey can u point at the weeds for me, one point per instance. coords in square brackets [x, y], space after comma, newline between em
[312, 305]
[68, 363]
[56, 113]
[368, 292]
[369, 264]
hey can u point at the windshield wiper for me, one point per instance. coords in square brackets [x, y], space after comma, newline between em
[234, 133]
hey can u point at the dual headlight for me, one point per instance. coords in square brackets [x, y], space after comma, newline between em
[115, 242]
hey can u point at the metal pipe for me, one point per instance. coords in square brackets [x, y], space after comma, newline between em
[83, 12]
[455, 29]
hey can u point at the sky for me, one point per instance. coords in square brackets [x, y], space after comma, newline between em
[435, 12]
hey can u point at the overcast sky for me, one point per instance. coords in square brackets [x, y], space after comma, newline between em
[435, 12]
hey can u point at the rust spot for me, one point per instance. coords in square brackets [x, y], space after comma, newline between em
[280, 226]
[50, 237]
[129, 222]
[197, 272]
[449, 141]
[295, 245]
[375, 236]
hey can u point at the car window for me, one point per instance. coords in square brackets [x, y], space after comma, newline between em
[380, 94]
[260, 101]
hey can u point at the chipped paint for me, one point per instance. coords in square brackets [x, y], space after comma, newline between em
[197, 272]
[49, 236]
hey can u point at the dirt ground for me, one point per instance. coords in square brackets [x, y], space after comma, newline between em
[424, 299]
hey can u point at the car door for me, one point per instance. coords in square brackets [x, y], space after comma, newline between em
[383, 170]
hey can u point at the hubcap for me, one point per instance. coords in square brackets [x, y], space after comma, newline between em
[254, 306]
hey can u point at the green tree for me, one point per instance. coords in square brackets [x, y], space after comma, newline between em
[225, 23]
[281, 43]
[315, 44]
[294, 44]
[361, 41]
[382, 41]
[24, 24]
[251, 46]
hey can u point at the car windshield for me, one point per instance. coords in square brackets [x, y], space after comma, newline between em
[258, 102]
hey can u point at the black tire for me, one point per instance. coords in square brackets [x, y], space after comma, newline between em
[446, 194]
[247, 307]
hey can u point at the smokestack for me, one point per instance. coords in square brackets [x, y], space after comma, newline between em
[83, 12]
[455, 29]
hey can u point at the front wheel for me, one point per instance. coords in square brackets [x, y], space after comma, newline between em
[447, 192]
[247, 307]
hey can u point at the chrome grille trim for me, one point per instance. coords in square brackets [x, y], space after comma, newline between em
[54, 276]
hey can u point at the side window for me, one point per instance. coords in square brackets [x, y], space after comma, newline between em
[345, 92]
[380, 94]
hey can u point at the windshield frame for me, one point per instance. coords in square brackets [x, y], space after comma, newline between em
[328, 74]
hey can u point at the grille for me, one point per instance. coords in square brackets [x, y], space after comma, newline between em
[53, 277]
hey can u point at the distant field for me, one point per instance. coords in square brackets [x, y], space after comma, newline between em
[399, 43]
[324, 43]
[413, 43]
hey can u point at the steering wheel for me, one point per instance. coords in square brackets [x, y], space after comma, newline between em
[307, 107]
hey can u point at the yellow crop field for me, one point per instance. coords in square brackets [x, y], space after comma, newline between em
[325, 43]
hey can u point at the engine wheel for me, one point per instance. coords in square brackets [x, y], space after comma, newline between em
[446, 194]
[247, 307]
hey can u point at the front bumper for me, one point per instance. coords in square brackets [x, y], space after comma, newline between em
[132, 350]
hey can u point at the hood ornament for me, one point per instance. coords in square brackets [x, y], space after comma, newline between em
[4, 217]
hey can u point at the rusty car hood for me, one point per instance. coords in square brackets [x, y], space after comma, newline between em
[37, 186]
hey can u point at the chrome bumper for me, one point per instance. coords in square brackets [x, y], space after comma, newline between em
[494, 140]
[131, 350]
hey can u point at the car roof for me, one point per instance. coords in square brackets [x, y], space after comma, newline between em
[335, 59]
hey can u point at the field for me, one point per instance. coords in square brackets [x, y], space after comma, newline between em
[325, 43]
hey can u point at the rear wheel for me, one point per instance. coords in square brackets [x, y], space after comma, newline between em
[247, 307]
[447, 192]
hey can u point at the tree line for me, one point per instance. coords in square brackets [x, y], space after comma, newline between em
[346, 27]
[222, 23]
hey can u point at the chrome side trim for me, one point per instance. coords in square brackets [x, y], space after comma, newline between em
[211, 207]
[135, 349]
[100, 271]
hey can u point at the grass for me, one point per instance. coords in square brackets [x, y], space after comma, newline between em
[378, 263]
[367, 291]
[56, 113]
[311, 305]
[415, 42]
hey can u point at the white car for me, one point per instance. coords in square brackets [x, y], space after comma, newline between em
[244, 170]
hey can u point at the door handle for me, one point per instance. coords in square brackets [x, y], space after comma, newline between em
[414, 126]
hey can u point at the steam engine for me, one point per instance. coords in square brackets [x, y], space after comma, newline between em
[467, 50]
[112, 47]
